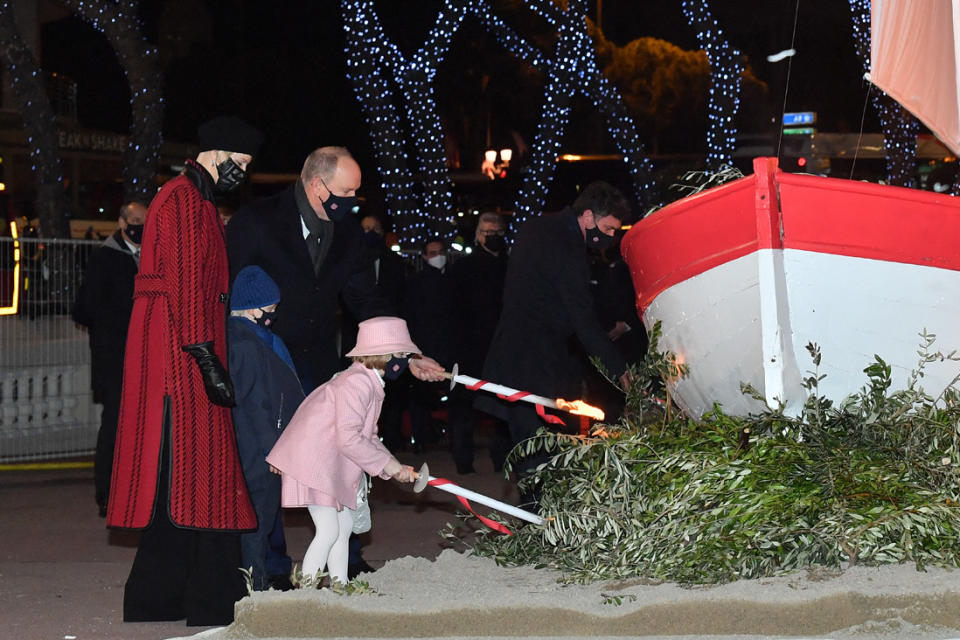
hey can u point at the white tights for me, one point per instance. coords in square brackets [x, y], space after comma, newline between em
[330, 544]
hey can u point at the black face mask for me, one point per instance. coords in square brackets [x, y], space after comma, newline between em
[373, 240]
[134, 232]
[394, 367]
[598, 240]
[229, 175]
[267, 318]
[495, 243]
[337, 207]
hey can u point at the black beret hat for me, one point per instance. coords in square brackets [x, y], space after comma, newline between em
[229, 133]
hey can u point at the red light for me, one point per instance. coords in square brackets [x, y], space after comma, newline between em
[801, 162]
[503, 173]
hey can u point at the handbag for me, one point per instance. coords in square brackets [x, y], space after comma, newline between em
[361, 517]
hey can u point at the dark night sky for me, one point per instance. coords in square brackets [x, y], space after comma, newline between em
[281, 64]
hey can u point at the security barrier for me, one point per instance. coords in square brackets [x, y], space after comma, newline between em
[46, 404]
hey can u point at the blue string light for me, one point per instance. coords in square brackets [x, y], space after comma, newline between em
[39, 124]
[726, 72]
[120, 24]
[380, 73]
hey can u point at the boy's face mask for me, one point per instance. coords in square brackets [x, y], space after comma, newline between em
[267, 318]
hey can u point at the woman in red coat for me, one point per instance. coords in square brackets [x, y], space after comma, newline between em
[176, 467]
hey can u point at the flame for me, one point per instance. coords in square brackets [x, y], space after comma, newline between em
[580, 408]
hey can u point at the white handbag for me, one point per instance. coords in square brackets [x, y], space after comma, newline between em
[361, 518]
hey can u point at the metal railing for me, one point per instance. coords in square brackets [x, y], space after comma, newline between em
[46, 404]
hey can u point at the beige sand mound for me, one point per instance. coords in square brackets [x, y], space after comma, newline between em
[461, 595]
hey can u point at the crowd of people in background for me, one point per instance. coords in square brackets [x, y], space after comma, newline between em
[211, 424]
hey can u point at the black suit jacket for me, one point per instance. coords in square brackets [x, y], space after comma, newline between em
[392, 279]
[269, 233]
[428, 310]
[104, 304]
[391, 285]
[478, 288]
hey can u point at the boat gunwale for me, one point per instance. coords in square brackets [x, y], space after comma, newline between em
[652, 277]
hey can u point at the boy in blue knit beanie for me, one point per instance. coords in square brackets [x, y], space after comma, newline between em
[268, 393]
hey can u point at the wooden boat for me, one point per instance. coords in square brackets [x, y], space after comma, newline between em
[743, 276]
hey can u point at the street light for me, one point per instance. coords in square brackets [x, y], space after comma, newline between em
[493, 167]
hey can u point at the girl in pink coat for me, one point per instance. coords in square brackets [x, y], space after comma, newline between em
[331, 443]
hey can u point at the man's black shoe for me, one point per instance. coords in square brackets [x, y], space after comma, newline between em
[356, 568]
[280, 583]
[102, 510]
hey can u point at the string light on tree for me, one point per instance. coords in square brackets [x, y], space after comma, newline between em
[377, 67]
[39, 123]
[726, 69]
[119, 22]
[575, 52]
[900, 128]
[371, 56]
[367, 69]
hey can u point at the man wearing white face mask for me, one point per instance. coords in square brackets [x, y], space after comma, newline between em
[428, 309]
[435, 254]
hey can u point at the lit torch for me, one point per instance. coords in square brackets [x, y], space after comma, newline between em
[576, 407]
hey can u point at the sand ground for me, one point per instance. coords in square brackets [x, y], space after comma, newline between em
[459, 595]
[62, 575]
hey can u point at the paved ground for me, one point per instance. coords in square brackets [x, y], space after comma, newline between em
[62, 572]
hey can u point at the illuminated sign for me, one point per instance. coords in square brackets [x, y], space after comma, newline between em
[799, 117]
[92, 141]
[12, 309]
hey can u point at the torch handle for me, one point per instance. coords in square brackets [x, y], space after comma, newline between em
[516, 512]
[475, 384]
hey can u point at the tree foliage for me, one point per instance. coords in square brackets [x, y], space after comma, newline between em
[661, 83]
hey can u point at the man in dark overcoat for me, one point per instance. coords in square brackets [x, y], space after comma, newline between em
[428, 310]
[546, 303]
[390, 272]
[103, 305]
[177, 474]
[478, 282]
[309, 241]
[390, 278]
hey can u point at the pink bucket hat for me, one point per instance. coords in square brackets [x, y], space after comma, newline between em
[382, 336]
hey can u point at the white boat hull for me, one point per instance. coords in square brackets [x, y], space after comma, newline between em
[853, 308]
[742, 277]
